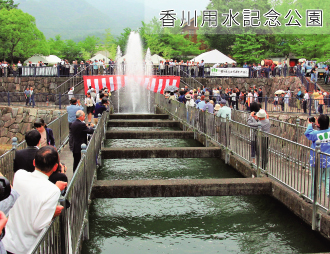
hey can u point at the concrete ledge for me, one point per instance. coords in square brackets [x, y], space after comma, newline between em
[139, 116]
[154, 152]
[132, 123]
[181, 188]
[149, 134]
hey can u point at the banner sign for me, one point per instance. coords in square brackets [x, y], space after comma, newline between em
[115, 82]
[230, 72]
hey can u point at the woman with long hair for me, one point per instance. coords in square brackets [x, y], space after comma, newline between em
[90, 104]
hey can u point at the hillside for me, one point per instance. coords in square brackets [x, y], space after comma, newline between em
[70, 18]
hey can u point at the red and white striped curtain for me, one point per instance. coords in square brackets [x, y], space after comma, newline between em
[115, 82]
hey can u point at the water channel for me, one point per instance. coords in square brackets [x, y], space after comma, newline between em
[244, 224]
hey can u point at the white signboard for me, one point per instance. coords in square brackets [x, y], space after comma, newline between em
[230, 72]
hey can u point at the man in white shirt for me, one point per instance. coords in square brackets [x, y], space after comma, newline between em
[37, 204]
[70, 93]
[305, 101]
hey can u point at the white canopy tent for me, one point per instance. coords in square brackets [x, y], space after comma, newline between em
[155, 59]
[100, 57]
[212, 57]
[50, 60]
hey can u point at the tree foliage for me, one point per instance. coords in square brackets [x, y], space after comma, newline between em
[89, 45]
[8, 4]
[167, 42]
[19, 35]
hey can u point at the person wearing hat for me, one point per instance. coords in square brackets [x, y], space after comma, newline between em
[216, 108]
[260, 116]
[253, 121]
[189, 101]
[47, 137]
[224, 111]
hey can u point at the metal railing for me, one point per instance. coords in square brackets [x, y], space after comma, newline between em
[65, 233]
[284, 160]
[60, 127]
[294, 132]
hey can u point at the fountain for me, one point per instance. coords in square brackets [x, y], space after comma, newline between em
[134, 95]
[118, 71]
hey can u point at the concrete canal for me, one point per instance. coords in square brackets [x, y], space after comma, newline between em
[206, 224]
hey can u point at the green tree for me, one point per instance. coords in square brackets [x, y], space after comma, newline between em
[123, 38]
[168, 42]
[19, 35]
[8, 4]
[72, 51]
[90, 45]
[109, 44]
[223, 37]
[56, 46]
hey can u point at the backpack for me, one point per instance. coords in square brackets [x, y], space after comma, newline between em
[301, 95]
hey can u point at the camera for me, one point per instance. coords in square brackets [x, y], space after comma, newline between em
[5, 188]
[312, 119]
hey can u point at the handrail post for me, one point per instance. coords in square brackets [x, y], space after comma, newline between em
[227, 140]
[14, 143]
[310, 106]
[266, 99]
[258, 148]
[297, 127]
[59, 116]
[59, 100]
[316, 184]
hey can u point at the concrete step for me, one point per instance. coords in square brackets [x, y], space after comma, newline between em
[160, 152]
[149, 134]
[138, 116]
[134, 123]
[181, 188]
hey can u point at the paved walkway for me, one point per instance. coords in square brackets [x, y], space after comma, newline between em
[67, 158]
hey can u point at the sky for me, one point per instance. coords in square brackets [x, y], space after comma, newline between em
[154, 7]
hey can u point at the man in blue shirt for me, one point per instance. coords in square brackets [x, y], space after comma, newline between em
[72, 109]
[201, 104]
[322, 135]
[208, 106]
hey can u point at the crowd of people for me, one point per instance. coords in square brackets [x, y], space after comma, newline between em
[168, 67]
[285, 101]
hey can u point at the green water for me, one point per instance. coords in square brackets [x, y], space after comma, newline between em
[144, 129]
[247, 224]
[158, 168]
[118, 143]
[255, 224]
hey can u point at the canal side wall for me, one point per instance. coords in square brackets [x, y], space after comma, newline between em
[287, 197]
[40, 84]
[16, 121]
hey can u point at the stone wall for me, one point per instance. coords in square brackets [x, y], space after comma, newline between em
[40, 84]
[15, 122]
[269, 85]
